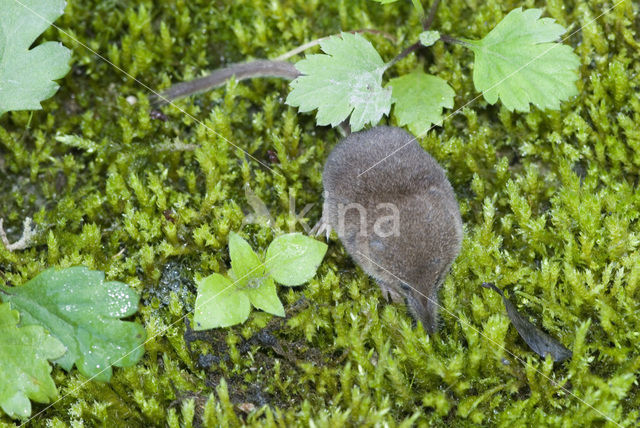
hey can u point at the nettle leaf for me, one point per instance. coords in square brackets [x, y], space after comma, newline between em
[518, 63]
[25, 372]
[293, 259]
[82, 310]
[346, 81]
[428, 38]
[26, 75]
[419, 100]
[539, 341]
[219, 303]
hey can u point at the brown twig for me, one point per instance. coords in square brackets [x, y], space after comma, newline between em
[426, 24]
[453, 40]
[403, 54]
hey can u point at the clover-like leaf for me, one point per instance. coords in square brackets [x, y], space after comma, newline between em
[293, 259]
[346, 81]
[419, 100]
[25, 372]
[519, 63]
[245, 262]
[428, 38]
[539, 341]
[80, 309]
[220, 303]
[27, 75]
[263, 295]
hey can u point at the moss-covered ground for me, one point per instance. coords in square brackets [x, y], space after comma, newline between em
[549, 201]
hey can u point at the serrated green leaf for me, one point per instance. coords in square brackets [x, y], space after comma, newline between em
[518, 63]
[82, 310]
[25, 372]
[293, 259]
[263, 295]
[244, 261]
[26, 75]
[220, 303]
[346, 81]
[419, 100]
[428, 38]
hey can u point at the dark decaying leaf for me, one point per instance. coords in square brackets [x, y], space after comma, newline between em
[539, 341]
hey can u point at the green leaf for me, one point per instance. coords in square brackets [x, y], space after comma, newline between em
[419, 100]
[26, 75]
[82, 310]
[293, 259]
[25, 372]
[385, 1]
[346, 81]
[245, 262]
[428, 38]
[263, 295]
[219, 303]
[517, 63]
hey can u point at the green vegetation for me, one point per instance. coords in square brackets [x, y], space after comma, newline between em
[291, 260]
[83, 311]
[26, 75]
[24, 370]
[343, 82]
[549, 202]
[519, 62]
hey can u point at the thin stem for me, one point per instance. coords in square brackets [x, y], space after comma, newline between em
[453, 40]
[426, 24]
[315, 42]
[403, 54]
[417, 45]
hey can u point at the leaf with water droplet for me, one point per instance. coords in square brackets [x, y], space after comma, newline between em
[293, 259]
[345, 80]
[539, 341]
[24, 371]
[82, 310]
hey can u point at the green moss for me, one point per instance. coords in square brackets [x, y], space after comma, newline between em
[549, 202]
